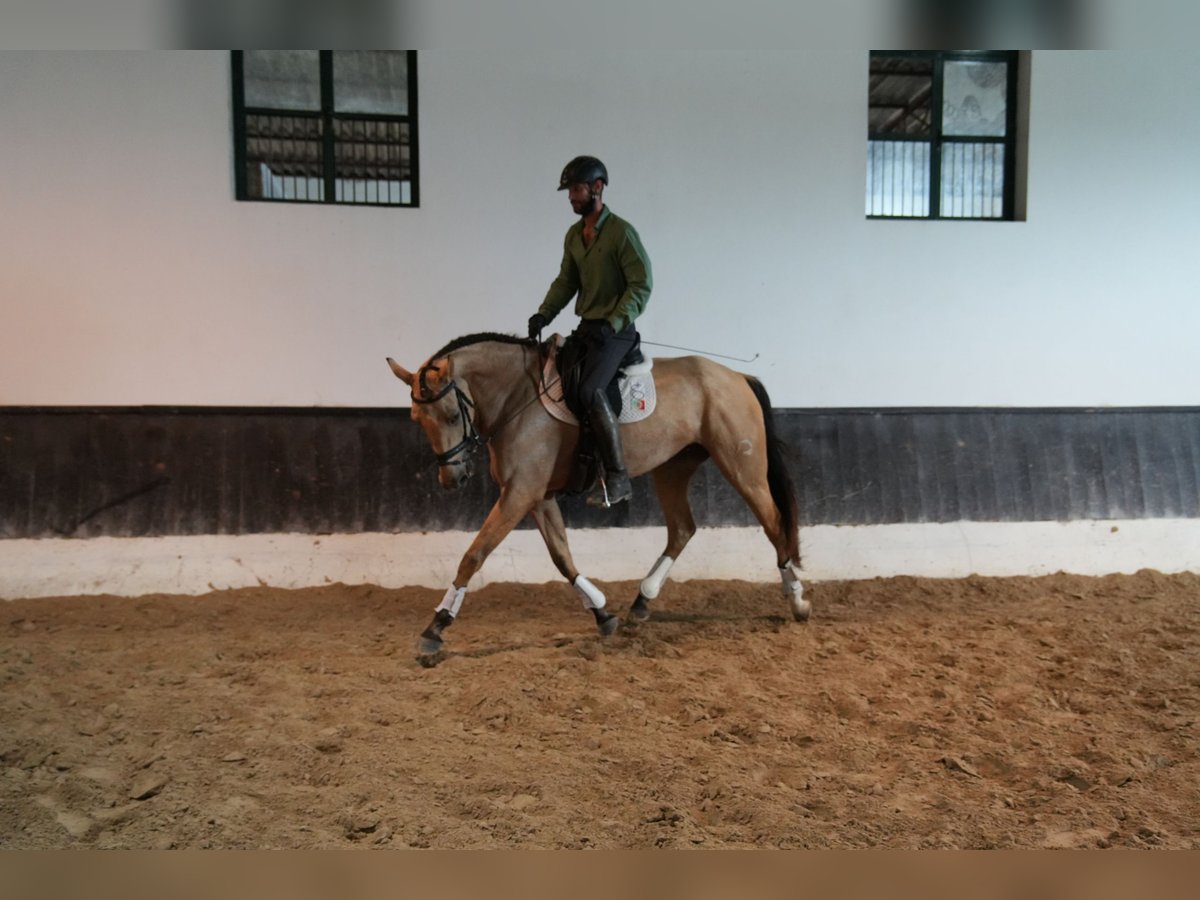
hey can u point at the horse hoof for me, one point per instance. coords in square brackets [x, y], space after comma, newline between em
[640, 611]
[429, 660]
[609, 626]
[801, 610]
[430, 652]
[427, 646]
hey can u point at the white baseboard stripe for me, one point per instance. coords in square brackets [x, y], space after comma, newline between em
[197, 565]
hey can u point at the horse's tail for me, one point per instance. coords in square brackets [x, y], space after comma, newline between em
[779, 480]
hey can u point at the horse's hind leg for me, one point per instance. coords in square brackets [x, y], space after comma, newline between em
[549, 520]
[671, 481]
[747, 472]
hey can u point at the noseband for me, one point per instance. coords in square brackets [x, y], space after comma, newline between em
[471, 440]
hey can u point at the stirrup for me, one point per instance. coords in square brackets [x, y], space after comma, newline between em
[602, 499]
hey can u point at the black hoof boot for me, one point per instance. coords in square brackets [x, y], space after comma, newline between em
[606, 622]
[430, 642]
[640, 611]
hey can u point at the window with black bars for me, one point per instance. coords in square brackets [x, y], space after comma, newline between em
[941, 134]
[326, 126]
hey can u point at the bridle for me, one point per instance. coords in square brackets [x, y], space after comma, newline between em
[472, 440]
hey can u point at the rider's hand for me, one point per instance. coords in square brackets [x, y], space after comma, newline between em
[536, 323]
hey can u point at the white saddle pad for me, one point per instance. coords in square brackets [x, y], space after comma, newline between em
[638, 397]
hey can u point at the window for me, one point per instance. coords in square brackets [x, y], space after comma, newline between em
[326, 126]
[942, 134]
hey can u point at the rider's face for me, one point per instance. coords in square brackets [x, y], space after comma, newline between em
[580, 196]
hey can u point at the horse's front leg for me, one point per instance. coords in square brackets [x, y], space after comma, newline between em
[508, 511]
[549, 520]
[671, 481]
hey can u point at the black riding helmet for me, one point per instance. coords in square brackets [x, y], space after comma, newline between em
[582, 170]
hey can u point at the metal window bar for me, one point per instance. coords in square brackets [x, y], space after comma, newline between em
[973, 180]
[898, 178]
[373, 160]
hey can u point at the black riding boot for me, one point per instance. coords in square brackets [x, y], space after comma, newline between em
[615, 485]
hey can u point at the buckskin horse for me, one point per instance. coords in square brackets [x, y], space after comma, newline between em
[482, 389]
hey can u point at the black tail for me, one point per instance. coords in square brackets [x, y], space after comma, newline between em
[779, 480]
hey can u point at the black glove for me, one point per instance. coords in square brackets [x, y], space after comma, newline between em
[536, 323]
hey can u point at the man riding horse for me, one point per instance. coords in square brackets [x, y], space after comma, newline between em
[482, 390]
[606, 269]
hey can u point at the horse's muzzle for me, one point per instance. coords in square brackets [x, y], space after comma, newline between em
[452, 476]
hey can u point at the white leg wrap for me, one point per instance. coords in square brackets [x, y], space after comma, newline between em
[791, 581]
[653, 582]
[453, 600]
[592, 596]
[794, 591]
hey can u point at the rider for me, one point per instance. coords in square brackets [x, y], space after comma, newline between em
[605, 267]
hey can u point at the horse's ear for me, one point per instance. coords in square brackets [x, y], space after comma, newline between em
[400, 372]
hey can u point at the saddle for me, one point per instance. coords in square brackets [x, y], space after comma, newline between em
[631, 395]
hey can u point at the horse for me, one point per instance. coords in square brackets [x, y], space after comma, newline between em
[483, 389]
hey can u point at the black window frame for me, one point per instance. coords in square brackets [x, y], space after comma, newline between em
[936, 139]
[328, 115]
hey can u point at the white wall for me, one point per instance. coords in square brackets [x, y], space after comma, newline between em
[197, 564]
[129, 275]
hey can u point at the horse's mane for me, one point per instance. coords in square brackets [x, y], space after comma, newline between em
[469, 339]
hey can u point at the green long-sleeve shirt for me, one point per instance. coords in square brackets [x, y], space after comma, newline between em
[612, 277]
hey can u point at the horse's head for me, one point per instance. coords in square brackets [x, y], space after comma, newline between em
[444, 409]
